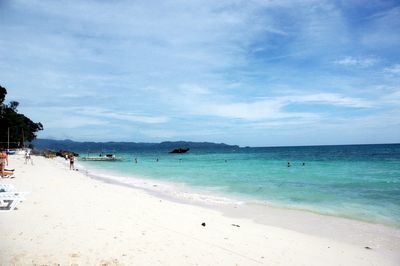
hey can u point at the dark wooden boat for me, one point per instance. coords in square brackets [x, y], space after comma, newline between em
[180, 150]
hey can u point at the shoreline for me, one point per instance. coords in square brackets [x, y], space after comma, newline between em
[353, 231]
[368, 211]
[69, 217]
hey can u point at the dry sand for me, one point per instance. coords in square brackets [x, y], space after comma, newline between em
[71, 219]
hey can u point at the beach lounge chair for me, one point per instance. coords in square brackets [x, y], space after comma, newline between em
[8, 173]
[7, 188]
[9, 200]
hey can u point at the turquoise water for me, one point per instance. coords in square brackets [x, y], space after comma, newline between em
[356, 181]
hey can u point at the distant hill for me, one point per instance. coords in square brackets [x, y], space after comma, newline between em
[70, 145]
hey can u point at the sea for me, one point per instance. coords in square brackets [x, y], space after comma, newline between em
[359, 182]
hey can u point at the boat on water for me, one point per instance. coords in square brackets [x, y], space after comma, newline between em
[101, 157]
[180, 150]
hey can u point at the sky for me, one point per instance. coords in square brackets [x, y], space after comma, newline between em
[251, 72]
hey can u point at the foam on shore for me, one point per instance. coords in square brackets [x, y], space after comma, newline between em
[339, 228]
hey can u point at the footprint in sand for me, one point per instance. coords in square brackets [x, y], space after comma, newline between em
[110, 262]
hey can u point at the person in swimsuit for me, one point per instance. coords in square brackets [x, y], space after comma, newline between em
[28, 156]
[71, 162]
[3, 161]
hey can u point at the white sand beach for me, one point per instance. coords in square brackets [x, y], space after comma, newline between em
[69, 218]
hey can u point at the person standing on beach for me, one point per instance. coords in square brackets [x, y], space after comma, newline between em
[71, 162]
[28, 156]
[3, 161]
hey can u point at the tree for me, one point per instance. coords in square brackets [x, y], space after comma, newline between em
[19, 127]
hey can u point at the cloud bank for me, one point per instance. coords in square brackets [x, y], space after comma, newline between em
[244, 72]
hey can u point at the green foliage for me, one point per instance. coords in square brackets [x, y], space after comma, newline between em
[20, 127]
[3, 93]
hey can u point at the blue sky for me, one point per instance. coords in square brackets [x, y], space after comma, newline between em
[254, 72]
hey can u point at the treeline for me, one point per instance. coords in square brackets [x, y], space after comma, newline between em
[15, 127]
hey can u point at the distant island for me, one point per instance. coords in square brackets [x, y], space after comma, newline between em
[167, 146]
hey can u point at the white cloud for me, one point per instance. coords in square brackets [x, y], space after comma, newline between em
[194, 89]
[153, 66]
[270, 108]
[53, 117]
[164, 134]
[110, 114]
[73, 121]
[331, 99]
[392, 97]
[247, 111]
[393, 70]
[383, 30]
[357, 62]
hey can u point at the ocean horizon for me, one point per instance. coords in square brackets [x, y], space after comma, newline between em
[360, 182]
